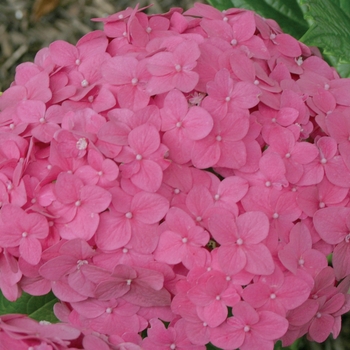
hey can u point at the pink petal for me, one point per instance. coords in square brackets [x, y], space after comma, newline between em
[213, 314]
[232, 258]
[30, 249]
[113, 232]
[270, 326]
[149, 177]
[149, 207]
[330, 223]
[252, 227]
[259, 259]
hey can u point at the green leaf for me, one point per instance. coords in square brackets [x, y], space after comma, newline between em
[330, 29]
[210, 346]
[294, 346]
[39, 308]
[287, 13]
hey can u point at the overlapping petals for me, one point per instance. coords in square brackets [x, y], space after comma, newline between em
[183, 177]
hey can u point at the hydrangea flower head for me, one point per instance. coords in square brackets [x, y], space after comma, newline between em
[176, 180]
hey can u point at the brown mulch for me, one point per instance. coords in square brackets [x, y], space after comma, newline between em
[26, 26]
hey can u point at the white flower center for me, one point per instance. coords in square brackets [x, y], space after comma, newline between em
[84, 83]
[82, 143]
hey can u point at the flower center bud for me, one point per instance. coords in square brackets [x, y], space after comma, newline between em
[80, 263]
[234, 42]
[184, 240]
[178, 68]
[81, 143]
[321, 205]
[128, 215]
[239, 241]
[272, 296]
[134, 81]
[246, 329]
[24, 234]
[84, 83]
[109, 310]
[138, 156]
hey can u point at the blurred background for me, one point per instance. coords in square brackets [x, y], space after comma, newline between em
[26, 26]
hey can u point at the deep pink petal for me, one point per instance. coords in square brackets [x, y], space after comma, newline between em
[259, 259]
[252, 227]
[149, 177]
[30, 249]
[149, 207]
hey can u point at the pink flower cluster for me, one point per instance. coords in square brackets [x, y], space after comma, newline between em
[187, 174]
